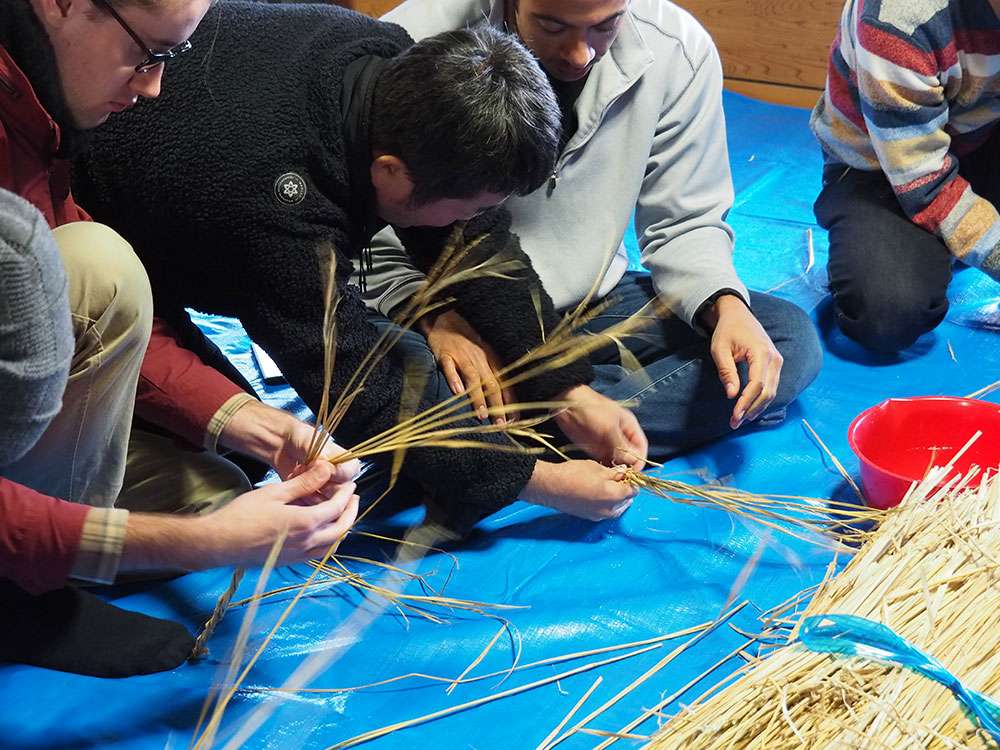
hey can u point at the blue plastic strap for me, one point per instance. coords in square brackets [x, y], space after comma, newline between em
[850, 635]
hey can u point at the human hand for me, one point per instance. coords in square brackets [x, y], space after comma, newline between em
[602, 428]
[581, 488]
[281, 440]
[243, 532]
[292, 453]
[467, 362]
[738, 336]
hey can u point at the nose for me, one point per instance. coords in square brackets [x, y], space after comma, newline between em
[578, 53]
[147, 85]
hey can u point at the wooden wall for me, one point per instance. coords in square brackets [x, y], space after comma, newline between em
[774, 50]
[371, 7]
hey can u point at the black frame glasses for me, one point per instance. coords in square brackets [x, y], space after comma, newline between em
[152, 58]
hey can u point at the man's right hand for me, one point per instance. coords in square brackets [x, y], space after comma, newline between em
[316, 514]
[581, 488]
[313, 511]
[467, 361]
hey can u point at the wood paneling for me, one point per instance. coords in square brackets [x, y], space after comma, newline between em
[371, 7]
[771, 41]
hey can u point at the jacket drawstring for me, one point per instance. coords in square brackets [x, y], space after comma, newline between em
[367, 266]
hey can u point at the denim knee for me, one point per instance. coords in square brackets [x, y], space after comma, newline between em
[799, 344]
[416, 353]
[796, 339]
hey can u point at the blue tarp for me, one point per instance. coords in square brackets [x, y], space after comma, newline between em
[660, 568]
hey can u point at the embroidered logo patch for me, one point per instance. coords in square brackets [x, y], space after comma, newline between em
[290, 189]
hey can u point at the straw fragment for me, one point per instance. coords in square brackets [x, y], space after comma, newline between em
[376, 733]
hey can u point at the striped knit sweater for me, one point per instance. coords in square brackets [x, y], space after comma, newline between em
[912, 86]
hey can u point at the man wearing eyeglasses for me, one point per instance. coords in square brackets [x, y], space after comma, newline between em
[70, 473]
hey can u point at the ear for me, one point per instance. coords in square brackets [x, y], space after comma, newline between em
[391, 179]
[52, 12]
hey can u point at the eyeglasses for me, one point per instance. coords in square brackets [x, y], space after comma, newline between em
[151, 59]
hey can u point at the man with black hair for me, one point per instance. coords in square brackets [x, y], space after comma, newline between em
[639, 84]
[235, 185]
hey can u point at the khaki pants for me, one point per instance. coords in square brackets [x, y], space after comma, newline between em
[90, 453]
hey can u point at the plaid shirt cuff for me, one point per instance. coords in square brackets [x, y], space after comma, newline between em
[102, 542]
[221, 418]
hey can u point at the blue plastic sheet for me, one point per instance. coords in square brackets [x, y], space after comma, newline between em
[660, 568]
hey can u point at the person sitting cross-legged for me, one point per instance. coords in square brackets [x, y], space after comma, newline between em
[639, 85]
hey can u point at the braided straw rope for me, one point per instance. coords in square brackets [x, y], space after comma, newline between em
[199, 651]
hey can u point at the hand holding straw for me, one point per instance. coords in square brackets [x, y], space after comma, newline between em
[827, 522]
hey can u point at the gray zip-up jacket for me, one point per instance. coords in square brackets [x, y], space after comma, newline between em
[651, 138]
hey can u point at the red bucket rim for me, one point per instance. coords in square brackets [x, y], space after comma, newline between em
[852, 429]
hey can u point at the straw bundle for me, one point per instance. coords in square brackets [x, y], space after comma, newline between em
[826, 522]
[930, 573]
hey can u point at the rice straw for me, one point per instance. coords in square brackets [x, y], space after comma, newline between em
[206, 739]
[376, 733]
[830, 523]
[722, 619]
[985, 390]
[922, 574]
[836, 461]
[520, 667]
[572, 712]
[664, 702]
[475, 662]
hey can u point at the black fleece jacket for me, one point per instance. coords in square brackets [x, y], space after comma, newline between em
[198, 181]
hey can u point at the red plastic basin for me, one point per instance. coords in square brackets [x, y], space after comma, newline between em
[898, 440]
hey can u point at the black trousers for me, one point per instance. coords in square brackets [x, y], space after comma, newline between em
[889, 278]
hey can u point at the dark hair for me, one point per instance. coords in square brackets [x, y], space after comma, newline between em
[467, 111]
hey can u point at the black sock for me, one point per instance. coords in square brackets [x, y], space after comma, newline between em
[72, 630]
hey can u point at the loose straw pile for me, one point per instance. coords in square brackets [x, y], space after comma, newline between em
[931, 573]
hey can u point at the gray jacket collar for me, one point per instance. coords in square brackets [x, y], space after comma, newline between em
[623, 65]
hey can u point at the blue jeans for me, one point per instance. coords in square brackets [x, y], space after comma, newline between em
[678, 397]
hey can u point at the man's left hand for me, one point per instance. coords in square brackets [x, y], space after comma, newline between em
[602, 428]
[737, 336]
[280, 439]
